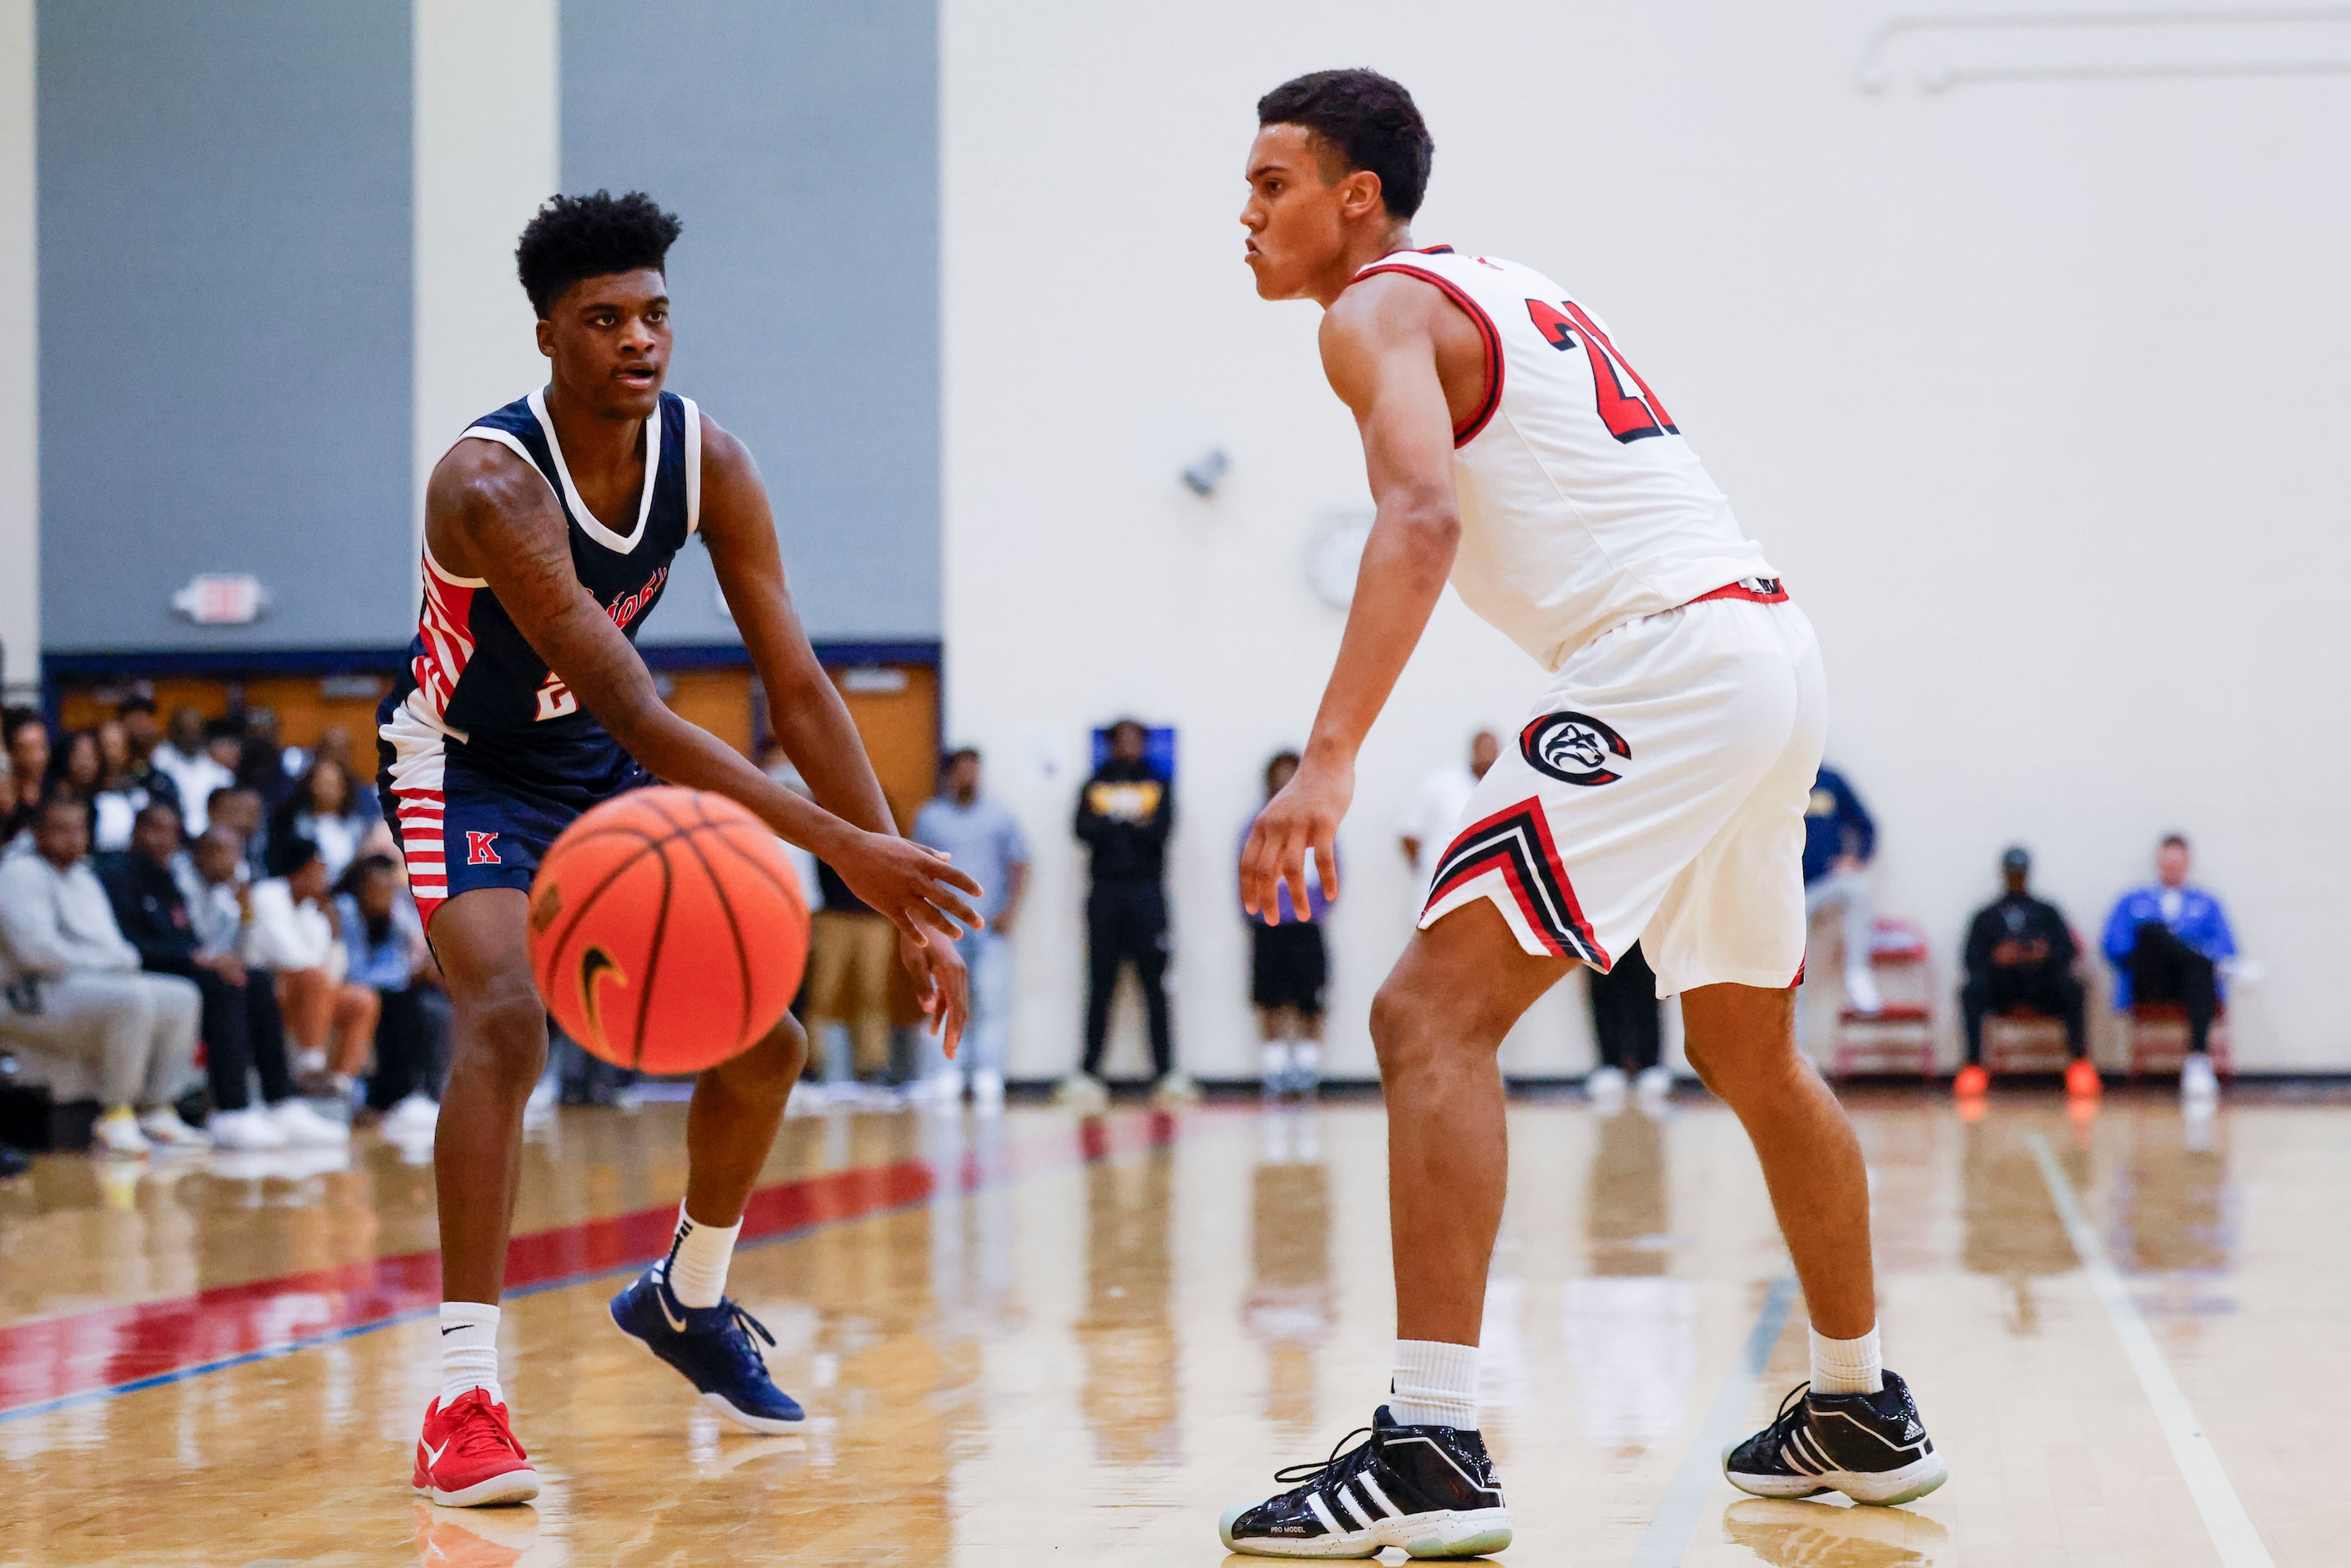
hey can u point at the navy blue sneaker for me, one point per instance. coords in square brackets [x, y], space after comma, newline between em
[712, 1346]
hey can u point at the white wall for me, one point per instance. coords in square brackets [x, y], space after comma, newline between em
[2037, 392]
[487, 128]
[20, 467]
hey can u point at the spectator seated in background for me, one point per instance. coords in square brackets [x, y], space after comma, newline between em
[122, 790]
[292, 934]
[2020, 953]
[135, 718]
[385, 938]
[1840, 840]
[263, 765]
[981, 837]
[157, 899]
[237, 811]
[335, 745]
[26, 734]
[1288, 968]
[2166, 942]
[322, 807]
[75, 770]
[187, 756]
[74, 990]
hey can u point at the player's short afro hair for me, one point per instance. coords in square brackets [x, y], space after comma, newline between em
[574, 237]
[1368, 119]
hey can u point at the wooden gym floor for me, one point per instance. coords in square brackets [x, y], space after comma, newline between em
[1034, 1341]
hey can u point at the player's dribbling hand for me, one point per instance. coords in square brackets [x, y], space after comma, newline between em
[922, 895]
[942, 987]
[1304, 815]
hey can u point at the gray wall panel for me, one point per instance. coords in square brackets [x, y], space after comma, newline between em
[225, 316]
[798, 141]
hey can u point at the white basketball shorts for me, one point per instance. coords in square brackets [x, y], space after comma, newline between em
[1657, 795]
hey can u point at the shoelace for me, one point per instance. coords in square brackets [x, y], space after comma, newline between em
[1292, 1474]
[482, 1432]
[1791, 1413]
[743, 1326]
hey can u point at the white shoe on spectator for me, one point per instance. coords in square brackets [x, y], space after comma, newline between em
[1176, 1089]
[1655, 1084]
[117, 1133]
[164, 1130]
[1861, 991]
[1604, 1086]
[987, 1092]
[249, 1131]
[1082, 1091]
[305, 1128]
[2197, 1080]
[942, 1088]
[418, 1112]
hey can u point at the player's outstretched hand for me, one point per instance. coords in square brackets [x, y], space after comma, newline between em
[1304, 815]
[941, 984]
[922, 895]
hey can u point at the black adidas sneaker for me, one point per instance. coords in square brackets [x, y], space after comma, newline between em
[1429, 1490]
[1871, 1447]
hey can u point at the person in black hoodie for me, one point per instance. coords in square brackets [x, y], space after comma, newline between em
[1124, 813]
[2020, 952]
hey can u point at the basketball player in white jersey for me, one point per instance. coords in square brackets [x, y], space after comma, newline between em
[1655, 792]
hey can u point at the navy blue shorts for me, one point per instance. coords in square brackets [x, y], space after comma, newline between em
[482, 812]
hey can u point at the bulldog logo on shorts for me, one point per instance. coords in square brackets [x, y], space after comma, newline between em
[1572, 747]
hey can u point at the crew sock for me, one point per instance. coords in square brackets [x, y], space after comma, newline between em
[1273, 1063]
[470, 1351]
[1435, 1385]
[698, 1256]
[1307, 1057]
[1847, 1366]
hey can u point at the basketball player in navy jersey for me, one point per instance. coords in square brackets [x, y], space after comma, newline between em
[1656, 793]
[549, 530]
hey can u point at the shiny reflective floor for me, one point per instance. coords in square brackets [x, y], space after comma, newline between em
[1032, 1339]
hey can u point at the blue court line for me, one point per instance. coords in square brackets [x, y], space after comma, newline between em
[352, 1331]
[1668, 1538]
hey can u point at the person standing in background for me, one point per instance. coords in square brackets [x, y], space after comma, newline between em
[1288, 968]
[982, 839]
[1124, 814]
[850, 950]
[1627, 1032]
[2166, 942]
[1436, 808]
[1839, 840]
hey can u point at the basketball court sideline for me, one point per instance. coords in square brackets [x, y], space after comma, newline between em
[218, 1360]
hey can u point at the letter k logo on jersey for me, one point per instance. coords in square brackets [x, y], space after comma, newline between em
[481, 849]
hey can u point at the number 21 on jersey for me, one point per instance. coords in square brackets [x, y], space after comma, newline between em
[1627, 407]
[555, 698]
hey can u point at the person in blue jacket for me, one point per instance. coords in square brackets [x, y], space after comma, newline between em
[2166, 942]
[1839, 840]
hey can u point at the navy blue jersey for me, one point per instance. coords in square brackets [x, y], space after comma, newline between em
[471, 674]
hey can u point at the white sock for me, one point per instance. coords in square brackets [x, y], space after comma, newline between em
[698, 1256]
[470, 1351]
[1847, 1366]
[1273, 1059]
[1308, 1055]
[1435, 1385]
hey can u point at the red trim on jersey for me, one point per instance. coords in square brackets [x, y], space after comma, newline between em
[446, 626]
[1466, 431]
[1769, 591]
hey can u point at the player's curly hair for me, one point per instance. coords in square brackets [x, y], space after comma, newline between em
[1366, 119]
[574, 237]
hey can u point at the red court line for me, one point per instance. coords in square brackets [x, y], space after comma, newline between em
[53, 1359]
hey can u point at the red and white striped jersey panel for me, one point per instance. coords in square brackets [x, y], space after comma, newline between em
[417, 763]
[445, 630]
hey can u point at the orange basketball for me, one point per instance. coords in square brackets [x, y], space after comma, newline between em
[667, 930]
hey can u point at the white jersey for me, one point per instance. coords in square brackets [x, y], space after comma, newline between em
[1582, 506]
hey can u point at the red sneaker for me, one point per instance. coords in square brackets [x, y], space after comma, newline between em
[1972, 1083]
[468, 1456]
[2082, 1081]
